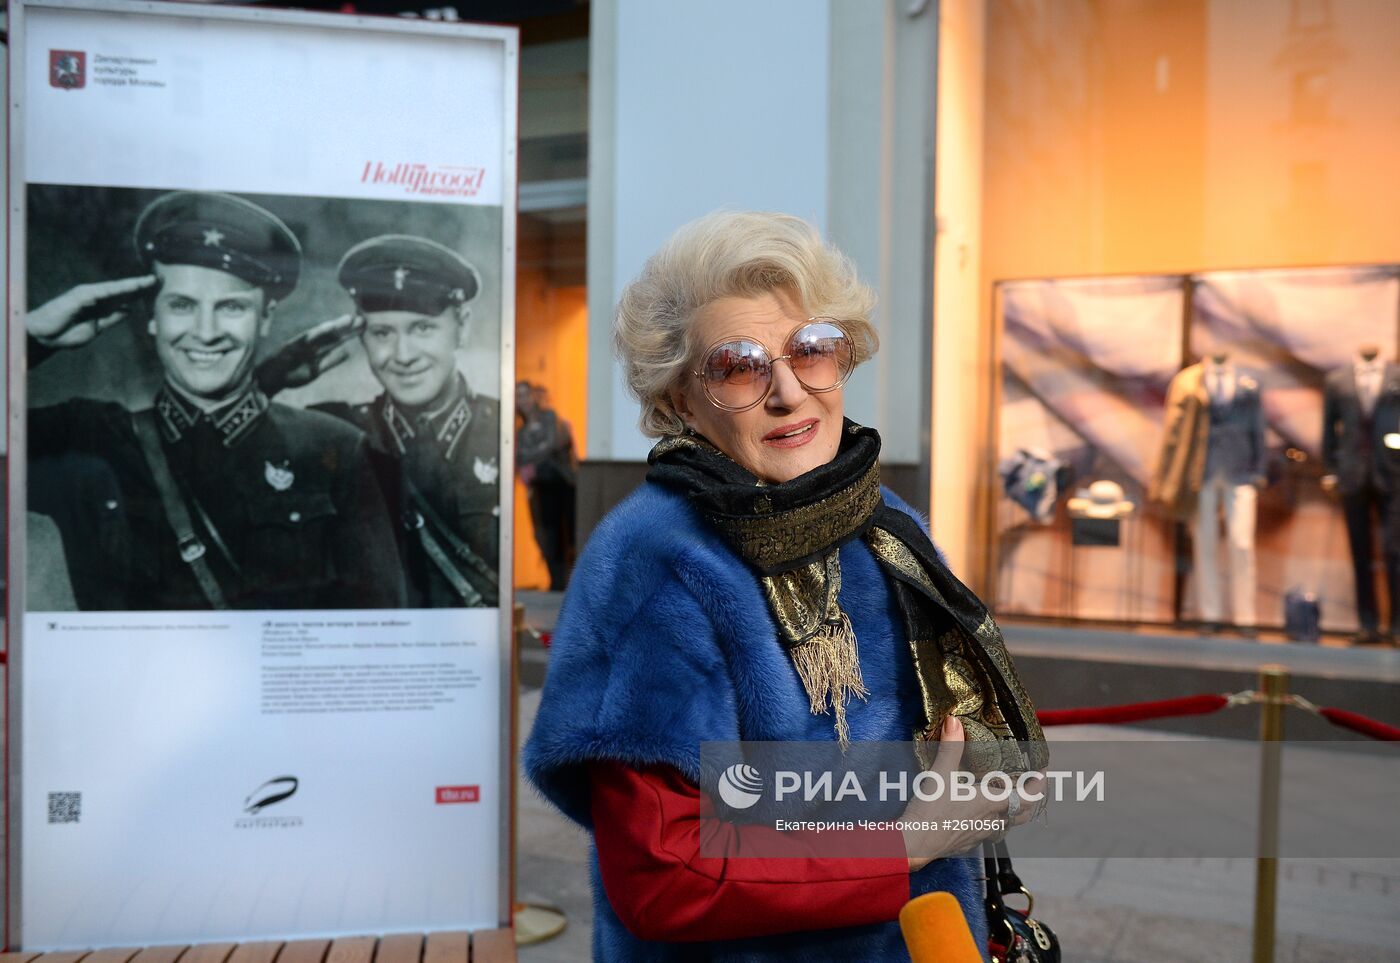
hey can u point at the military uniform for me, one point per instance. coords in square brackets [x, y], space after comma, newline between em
[440, 468]
[186, 505]
[285, 504]
[440, 474]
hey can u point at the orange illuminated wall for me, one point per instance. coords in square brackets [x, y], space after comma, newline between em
[1182, 135]
[1158, 136]
[551, 331]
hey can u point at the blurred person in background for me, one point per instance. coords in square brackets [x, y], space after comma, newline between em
[545, 460]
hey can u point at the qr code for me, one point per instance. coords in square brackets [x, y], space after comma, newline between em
[65, 807]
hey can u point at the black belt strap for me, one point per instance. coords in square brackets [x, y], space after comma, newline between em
[176, 513]
[470, 596]
[449, 541]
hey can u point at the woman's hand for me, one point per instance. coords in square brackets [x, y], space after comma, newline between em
[925, 839]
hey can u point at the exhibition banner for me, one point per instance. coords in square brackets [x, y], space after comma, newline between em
[261, 295]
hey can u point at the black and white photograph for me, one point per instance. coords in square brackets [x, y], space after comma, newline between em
[242, 401]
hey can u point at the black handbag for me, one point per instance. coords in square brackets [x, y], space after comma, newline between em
[1014, 936]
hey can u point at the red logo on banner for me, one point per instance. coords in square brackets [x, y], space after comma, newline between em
[67, 69]
[442, 180]
[458, 794]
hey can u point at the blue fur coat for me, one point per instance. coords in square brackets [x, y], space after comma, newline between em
[665, 641]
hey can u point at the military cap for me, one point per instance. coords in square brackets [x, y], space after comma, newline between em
[222, 232]
[396, 272]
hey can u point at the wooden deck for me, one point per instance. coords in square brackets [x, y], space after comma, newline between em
[483, 946]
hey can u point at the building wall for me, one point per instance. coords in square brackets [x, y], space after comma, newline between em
[821, 108]
[695, 107]
[1144, 137]
[960, 345]
[551, 332]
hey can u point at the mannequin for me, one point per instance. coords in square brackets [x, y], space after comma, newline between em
[1361, 418]
[1211, 469]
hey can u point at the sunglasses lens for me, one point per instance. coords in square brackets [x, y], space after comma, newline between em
[821, 355]
[737, 373]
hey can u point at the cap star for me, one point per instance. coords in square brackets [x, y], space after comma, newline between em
[213, 237]
[400, 276]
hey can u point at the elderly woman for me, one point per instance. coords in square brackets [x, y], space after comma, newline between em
[761, 585]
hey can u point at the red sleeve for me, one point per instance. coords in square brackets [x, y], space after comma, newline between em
[646, 824]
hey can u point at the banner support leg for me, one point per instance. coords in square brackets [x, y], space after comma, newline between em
[1273, 687]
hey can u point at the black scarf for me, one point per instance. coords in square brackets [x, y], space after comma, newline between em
[790, 533]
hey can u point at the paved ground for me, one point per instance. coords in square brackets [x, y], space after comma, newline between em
[1105, 911]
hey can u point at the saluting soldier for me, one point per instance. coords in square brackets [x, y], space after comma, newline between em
[437, 441]
[213, 497]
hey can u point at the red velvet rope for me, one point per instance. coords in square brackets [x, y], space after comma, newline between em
[1361, 724]
[1196, 705]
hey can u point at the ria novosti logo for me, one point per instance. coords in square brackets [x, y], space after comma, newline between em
[439, 180]
[68, 69]
[740, 786]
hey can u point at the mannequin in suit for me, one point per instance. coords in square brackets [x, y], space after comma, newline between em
[1361, 458]
[1212, 466]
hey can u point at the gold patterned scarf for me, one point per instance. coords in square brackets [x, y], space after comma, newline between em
[791, 534]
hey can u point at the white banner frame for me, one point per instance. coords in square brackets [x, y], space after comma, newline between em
[508, 37]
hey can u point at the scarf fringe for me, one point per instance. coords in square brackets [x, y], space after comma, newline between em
[829, 666]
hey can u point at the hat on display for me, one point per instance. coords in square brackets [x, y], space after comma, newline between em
[396, 272]
[1034, 478]
[1102, 499]
[221, 232]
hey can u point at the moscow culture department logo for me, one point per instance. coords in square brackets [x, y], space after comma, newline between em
[67, 69]
[740, 786]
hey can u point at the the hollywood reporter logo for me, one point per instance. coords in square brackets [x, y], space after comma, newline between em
[438, 180]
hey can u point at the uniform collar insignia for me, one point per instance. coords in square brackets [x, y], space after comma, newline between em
[233, 420]
[177, 414]
[454, 426]
[447, 425]
[399, 427]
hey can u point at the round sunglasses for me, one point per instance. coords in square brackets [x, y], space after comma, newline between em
[737, 373]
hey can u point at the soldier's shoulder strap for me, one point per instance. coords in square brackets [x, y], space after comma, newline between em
[464, 588]
[454, 544]
[191, 549]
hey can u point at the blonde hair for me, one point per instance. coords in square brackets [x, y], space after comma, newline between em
[722, 255]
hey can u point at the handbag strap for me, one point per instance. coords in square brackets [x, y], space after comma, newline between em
[191, 549]
[1007, 879]
[1002, 934]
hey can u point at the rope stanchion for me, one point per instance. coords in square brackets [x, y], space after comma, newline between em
[1206, 703]
[1196, 705]
[1360, 724]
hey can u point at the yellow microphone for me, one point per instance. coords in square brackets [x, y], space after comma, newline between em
[936, 931]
